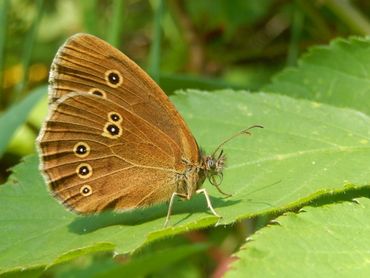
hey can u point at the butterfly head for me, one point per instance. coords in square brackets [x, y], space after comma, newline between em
[213, 166]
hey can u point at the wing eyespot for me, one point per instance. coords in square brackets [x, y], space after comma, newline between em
[112, 130]
[113, 78]
[114, 117]
[81, 149]
[84, 170]
[86, 190]
[98, 92]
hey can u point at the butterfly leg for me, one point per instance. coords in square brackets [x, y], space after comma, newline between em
[209, 204]
[174, 194]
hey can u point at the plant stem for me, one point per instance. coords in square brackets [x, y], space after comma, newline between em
[155, 50]
[3, 19]
[116, 23]
[349, 15]
[27, 50]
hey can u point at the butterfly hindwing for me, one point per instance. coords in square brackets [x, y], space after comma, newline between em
[102, 154]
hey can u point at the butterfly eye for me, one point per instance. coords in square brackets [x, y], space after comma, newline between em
[81, 149]
[210, 163]
[114, 78]
[86, 190]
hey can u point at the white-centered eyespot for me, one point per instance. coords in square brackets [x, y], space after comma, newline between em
[84, 170]
[81, 149]
[114, 117]
[112, 130]
[113, 78]
[86, 190]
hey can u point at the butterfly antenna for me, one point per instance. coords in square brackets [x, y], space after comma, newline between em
[244, 131]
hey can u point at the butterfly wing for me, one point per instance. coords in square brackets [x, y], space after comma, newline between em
[112, 135]
[85, 63]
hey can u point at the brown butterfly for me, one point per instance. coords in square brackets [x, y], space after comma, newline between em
[112, 139]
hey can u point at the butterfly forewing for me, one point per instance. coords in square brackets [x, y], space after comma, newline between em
[83, 65]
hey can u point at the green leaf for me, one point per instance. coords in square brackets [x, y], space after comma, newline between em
[329, 241]
[306, 149]
[139, 266]
[338, 74]
[16, 115]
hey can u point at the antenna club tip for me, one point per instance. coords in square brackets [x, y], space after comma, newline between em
[259, 126]
[246, 131]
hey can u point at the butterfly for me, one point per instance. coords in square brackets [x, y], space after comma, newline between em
[113, 139]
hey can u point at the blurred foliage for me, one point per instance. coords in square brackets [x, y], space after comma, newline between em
[207, 44]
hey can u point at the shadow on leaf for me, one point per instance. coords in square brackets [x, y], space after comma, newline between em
[87, 224]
